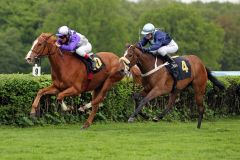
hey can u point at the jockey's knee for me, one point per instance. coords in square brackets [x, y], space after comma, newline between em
[80, 52]
[162, 51]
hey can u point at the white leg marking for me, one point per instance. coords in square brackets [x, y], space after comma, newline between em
[64, 106]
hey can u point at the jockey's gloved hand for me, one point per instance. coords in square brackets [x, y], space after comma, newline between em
[139, 45]
[57, 44]
[145, 50]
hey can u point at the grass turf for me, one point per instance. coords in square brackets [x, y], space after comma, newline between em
[219, 139]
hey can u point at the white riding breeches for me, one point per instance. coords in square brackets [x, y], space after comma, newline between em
[84, 49]
[172, 47]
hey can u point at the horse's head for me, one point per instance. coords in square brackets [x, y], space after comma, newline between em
[131, 56]
[40, 47]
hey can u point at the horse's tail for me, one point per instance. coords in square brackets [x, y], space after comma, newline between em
[214, 80]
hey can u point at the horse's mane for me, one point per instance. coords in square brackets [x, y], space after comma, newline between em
[51, 36]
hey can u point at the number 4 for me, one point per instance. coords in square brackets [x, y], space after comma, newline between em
[184, 66]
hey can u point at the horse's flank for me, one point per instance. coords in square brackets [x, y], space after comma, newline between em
[67, 69]
[69, 74]
[161, 82]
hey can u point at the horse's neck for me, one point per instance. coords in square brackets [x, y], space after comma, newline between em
[147, 62]
[59, 62]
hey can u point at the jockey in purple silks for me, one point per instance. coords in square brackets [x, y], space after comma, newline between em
[160, 43]
[72, 41]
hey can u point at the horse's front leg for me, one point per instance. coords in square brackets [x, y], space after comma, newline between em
[48, 90]
[137, 97]
[94, 110]
[71, 91]
[171, 102]
[155, 92]
[99, 96]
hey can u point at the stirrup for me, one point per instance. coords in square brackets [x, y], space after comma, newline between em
[90, 54]
[174, 65]
[93, 65]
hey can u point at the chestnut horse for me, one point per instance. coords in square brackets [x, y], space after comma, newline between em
[69, 74]
[157, 82]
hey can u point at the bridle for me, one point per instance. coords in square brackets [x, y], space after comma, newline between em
[127, 63]
[45, 45]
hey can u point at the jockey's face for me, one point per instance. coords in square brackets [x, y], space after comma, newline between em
[64, 39]
[149, 36]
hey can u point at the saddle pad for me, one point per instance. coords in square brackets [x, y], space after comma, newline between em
[184, 68]
[99, 63]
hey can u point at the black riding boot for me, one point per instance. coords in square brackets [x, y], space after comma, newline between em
[173, 65]
[93, 62]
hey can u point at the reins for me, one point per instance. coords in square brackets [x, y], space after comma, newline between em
[127, 66]
[46, 44]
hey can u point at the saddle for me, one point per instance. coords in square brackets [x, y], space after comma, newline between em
[88, 63]
[184, 67]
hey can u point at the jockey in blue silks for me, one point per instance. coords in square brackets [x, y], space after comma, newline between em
[160, 43]
[72, 41]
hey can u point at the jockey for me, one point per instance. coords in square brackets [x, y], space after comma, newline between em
[160, 43]
[70, 40]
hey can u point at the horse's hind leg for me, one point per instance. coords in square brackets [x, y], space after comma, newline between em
[199, 101]
[94, 110]
[199, 93]
[98, 98]
[171, 102]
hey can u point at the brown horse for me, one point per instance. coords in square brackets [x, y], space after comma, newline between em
[69, 74]
[157, 82]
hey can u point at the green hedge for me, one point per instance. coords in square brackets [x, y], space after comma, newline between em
[17, 92]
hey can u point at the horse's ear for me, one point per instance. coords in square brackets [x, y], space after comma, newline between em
[127, 45]
[135, 45]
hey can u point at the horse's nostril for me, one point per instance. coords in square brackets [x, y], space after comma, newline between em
[28, 60]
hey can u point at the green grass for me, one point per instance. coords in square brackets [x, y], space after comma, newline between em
[219, 139]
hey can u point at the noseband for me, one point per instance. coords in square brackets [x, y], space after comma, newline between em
[45, 44]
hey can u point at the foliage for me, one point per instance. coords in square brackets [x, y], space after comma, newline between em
[17, 92]
[228, 18]
[186, 26]
[209, 30]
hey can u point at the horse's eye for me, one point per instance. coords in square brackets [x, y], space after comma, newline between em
[39, 44]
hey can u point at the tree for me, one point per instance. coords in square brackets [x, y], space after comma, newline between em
[102, 22]
[19, 21]
[11, 51]
[227, 16]
[193, 34]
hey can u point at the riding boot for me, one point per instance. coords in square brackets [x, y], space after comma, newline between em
[90, 59]
[173, 65]
[93, 62]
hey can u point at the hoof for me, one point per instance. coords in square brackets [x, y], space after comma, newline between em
[131, 120]
[155, 119]
[33, 115]
[84, 127]
[81, 109]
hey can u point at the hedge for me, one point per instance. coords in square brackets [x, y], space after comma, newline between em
[17, 92]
